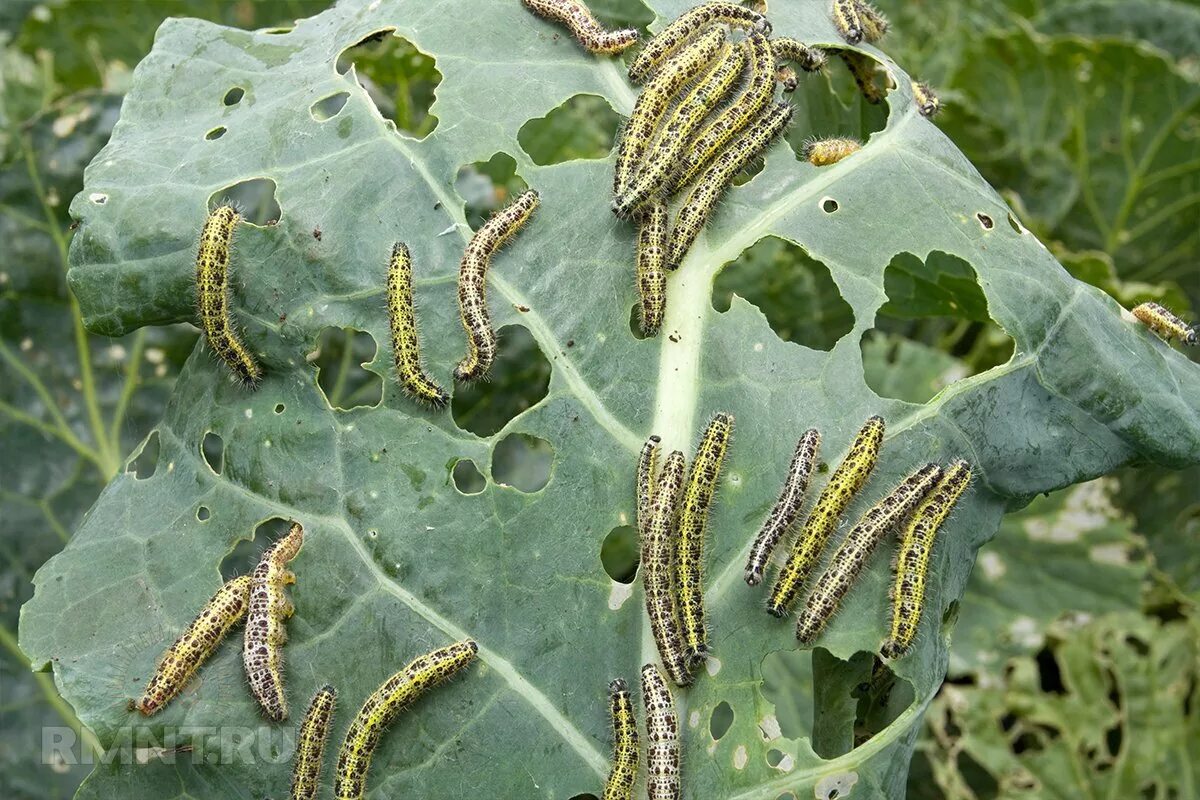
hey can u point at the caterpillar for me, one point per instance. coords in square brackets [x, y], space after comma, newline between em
[472, 284]
[712, 183]
[383, 706]
[646, 468]
[824, 152]
[220, 614]
[662, 736]
[651, 266]
[844, 484]
[1165, 324]
[625, 744]
[310, 747]
[212, 295]
[672, 37]
[406, 344]
[657, 555]
[654, 100]
[737, 115]
[787, 78]
[663, 157]
[927, 100]
[262, 645]
[693, 520]
[874, 24]
[912, 558]
[847, 21]
[809, 59]
[787, 507]
[586, 29]
[862, 69]
[851, 556]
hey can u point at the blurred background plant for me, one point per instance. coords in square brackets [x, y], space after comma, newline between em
[1074, 670]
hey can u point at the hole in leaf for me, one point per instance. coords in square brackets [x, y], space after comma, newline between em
[519, 380]
[145, 462]
[794, 291]
[583, 127]
[635, 325]
[523, 462]
[585, 797]
[398, 78]
[882, 698]
[203, 514]
[1049, 675]
[985, 221]
[234, 96]
[619, 553]
[829, 205]
[487, 186]
[720, 721]
[280, 408]
[215, 133]
[950, 617]
[247, 552]
[340, 358]
[976, 776]
[467, 477]
[255, 199]
[774, 757]
[1012, 223]
[329, 107]
[829, 103]
[213, 450]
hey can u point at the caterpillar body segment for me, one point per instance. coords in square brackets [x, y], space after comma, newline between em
[310, 745]
[672, 37]
[926, 99]
[212, 296]
[586, 29]
[657, 569]
[623, 774]
[862, 68]
[806, 57]
[651, 270]
[787, 507]
[662, 736]
[825, 152]
[647, 469]
[406, 343]
[1165, 324]
[269, 610]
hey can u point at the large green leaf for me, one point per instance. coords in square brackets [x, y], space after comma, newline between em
[397, 560]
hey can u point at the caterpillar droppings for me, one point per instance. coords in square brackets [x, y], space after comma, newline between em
[1165, 324]
[262, 645]
[712, 183]
[851, 556]
[787, 507]
[824, 152]
[651, 267]
[926, 99]
[310, 746]
[912, 558]
[586, 29]
[657, 569]
[406, 344]
[843, 486]
[472, 284]
[647, 467]
[623, 773]
[693, 524]
[212, 295]
[662, 736]
[383, 706]
[862, 69]
[220, 614]
[672, 37]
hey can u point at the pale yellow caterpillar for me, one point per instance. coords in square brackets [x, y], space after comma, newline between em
[874, 24]
[383, 706]
[672, 37]
[846, 20]
[657, 568]
[310, 746]
[472, 284]
[262, 645]
[677, 130]
[406, 344]
[651, 266]
[193, 647]
[912, 558]
[693, 523]
[824, 152]
[623, 773]
[787, 78]
[647, 467]
[808, 58]
[586, 29]
[212, 295]
[654, 100]
[787, 507]
[843, 486]
[1164, 323]
[851, 556]
[862, 69]
[926, 99]
[713, 182]
[662, 736]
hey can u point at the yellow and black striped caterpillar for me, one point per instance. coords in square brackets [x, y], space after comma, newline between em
[1164, 323]
[824, 152]
[586, 29]
[662, 736]
[623, 774]
[262, 645]
[657, 569]
[406, 343]
[787, 507]
[212, 295]
[310, 746]
[675, 35]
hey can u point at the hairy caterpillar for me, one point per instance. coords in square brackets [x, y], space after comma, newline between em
[672, 37]
[851, 556]
[824, 152]
[787, 507]
[846, 20]
[406, 344]
[677, 130]
[383, 706]
[912, 558]
[693, 521]
[647, 466]
[472, 284]
[712, 183]
[809, 59]
[654, 100]
[625, 743]
[651, 266]
[657, 568]
[874, 24]
[737, 115]
[662, 736]
[212, 295]
[310, 747]
[844, 484]
[220, 614]
[862, 69]
[262, 645]
[1164, 323]
[927, 100]
[586, 29]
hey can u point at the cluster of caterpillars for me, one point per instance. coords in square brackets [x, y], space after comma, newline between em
[662, 740]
